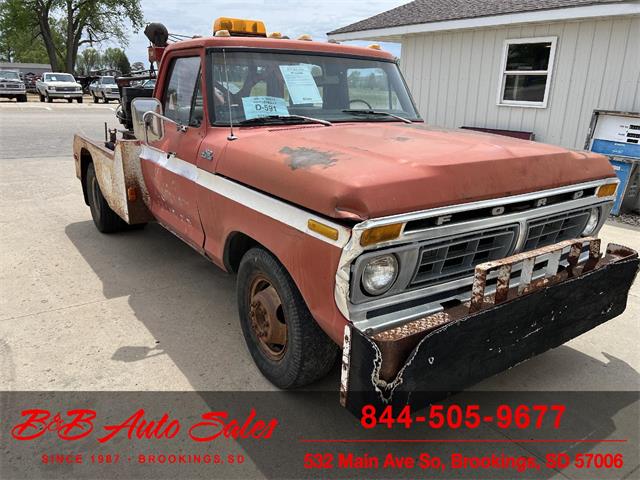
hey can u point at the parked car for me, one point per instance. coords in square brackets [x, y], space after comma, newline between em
[105, 89]
[30, 80]
[11, 86]
[59, 85]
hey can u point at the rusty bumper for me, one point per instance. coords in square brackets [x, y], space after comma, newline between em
[429, 358]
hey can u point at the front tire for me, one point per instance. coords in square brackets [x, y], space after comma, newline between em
[48, 98]
[21, 98]
[283, 338]
[41, 97]
[105, 219]
[104, 98]
[79, 100]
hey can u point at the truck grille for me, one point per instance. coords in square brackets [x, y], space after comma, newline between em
[556, 228]
[65, 89]
[457, 257]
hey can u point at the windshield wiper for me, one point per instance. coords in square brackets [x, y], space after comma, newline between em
[270, 118]
[377, 112]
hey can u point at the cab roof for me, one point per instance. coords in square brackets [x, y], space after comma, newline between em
[280, 44]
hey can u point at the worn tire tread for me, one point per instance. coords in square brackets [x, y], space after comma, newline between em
[311, 353]
[109, 221]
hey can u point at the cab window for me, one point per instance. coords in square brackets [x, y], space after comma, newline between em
[182, 98]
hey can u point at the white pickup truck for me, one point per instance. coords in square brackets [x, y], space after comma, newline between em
[12, 86]
[59, 85]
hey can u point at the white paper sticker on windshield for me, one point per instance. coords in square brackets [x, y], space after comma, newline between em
[255, 107]
[300, 83]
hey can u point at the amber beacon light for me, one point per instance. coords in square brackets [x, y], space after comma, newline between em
[240, 27]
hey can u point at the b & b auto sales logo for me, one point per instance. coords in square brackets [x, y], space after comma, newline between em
[81, 424]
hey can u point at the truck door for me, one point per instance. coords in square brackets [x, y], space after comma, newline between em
[172, 182]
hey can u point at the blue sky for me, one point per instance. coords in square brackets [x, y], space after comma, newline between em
[191, 17]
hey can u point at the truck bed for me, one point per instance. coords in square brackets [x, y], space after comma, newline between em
[119, 175]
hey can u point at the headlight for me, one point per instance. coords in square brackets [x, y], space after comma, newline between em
[592, 223]
[379, 274]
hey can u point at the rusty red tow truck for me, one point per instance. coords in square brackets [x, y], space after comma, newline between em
[430, 258]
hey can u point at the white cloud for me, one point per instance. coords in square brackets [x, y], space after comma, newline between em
[292, 18]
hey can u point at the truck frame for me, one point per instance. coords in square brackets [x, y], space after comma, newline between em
[502, 268]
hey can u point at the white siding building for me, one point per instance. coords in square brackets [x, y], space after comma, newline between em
[536, 66]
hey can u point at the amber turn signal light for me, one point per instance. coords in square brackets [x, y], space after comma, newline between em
[607, 190]
[380, 234]
[322, 229]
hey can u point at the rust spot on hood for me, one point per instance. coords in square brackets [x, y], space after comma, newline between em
[303, 157]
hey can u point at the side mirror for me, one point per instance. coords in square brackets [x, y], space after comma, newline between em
[147, 119]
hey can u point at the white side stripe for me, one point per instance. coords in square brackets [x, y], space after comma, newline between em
[272, 207]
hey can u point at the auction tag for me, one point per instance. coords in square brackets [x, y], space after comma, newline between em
[255, 107]
[300, 83]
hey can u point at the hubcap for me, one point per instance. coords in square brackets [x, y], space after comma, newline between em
[267, 318]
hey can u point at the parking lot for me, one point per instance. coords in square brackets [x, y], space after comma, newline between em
[141, 311]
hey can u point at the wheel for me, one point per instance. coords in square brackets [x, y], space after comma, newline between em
[41, 97]
[21, 98]
[284, 340]
[104, 98]
[105, 219]
[79, 100]
[95, 99]
[70, 100]
[48, 98]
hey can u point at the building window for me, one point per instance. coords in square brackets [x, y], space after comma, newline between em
[526, 71]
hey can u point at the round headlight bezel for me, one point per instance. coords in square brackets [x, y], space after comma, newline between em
[366, 286]
[592, 223]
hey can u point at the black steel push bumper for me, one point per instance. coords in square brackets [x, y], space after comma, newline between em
[427, 359]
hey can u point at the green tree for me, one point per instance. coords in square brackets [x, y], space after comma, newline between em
[20, 40]
[88, 60]
[65, 25]
[116, 59]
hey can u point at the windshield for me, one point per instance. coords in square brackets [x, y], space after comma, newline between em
[58, 77]
[259, 85]
[9, 75]
[108, 80]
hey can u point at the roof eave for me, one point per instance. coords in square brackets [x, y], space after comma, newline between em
[395, 34]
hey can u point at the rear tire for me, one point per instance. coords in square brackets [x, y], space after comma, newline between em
[105, 219]
[308, 354]
[104, 98]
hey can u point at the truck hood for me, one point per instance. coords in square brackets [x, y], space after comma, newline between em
[63, 84]
[369, 170]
